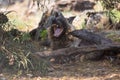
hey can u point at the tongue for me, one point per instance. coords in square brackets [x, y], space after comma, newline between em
[57, 32]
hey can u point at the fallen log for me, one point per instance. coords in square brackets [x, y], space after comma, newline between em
[90, 37]
[98, 51]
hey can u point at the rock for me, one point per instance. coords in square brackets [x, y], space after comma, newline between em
[77, 5]
[81, 5]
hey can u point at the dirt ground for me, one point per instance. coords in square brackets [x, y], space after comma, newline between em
[87, 70]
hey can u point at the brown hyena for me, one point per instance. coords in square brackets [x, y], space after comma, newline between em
[58, 31]
[58, 28]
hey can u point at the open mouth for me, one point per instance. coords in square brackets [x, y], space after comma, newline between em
[57, 31]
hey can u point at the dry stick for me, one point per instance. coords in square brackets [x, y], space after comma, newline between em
[79, 50]
[90, 37]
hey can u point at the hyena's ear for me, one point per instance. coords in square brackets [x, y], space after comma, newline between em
[70, 19]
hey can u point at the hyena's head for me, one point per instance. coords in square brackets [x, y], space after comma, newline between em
[57, 23]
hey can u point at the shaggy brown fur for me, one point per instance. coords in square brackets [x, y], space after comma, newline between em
[61, 41]
[58, 31]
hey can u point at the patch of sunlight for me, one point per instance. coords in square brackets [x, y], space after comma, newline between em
[98, 6]
[79, 21]
[20, 23]
[69, 13]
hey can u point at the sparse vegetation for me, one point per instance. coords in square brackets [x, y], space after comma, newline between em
[112, 8]
[16, 48]
[110, 4]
